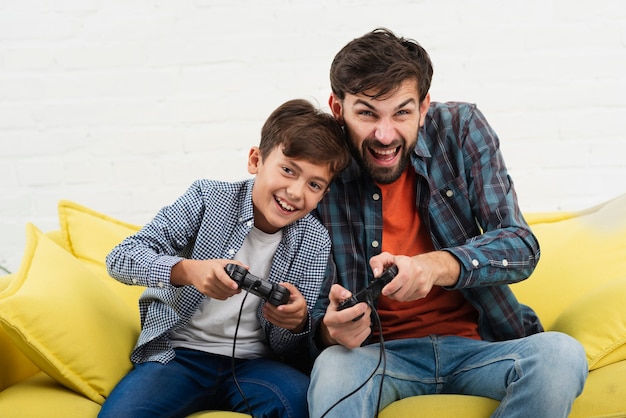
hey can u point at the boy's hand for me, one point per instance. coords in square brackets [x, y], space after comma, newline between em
[291, 316]
[339, 327]
[208, 276]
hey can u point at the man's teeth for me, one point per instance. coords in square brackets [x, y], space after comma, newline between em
[385, 151]
[285, 206]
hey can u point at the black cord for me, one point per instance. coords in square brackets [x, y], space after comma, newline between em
[382, 359]
[232, 358]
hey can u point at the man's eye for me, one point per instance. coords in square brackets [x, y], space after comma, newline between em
[403, 112]
[365, 113]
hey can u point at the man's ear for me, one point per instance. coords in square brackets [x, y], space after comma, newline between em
[336, 107]
[254, 159]
[424, 108]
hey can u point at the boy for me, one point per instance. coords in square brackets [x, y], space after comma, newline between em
[185, 359]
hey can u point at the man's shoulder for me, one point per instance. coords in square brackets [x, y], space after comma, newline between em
[450, 109]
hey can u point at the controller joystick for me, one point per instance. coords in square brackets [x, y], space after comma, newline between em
[275, 294]
[371, 292]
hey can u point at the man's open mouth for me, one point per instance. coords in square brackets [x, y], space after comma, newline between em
[384, 154]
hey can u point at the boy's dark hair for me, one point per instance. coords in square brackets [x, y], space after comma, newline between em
[379, 62]
[305, 133]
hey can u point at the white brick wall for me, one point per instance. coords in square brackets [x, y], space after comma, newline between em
[120, 104]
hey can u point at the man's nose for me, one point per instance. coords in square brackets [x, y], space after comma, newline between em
[384, 131]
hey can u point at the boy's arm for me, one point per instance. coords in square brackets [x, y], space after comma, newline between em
[147, 257]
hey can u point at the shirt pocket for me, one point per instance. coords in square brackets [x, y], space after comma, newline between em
[452, 218]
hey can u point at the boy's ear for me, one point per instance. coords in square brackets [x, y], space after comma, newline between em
[254, 159]
[335, 107]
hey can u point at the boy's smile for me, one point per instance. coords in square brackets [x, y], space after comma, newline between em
[285, 189]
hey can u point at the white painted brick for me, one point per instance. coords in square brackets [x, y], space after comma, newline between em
[32, 26]
[40, 172]
[20, 58]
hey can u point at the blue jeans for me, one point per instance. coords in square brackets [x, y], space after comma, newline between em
[196, 381]
[536, 376]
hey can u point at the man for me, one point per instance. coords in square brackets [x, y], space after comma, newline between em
[428, 191]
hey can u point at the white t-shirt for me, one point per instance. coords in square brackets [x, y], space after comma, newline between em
[212, 327]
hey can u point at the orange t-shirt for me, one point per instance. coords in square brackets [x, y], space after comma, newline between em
[441, 312]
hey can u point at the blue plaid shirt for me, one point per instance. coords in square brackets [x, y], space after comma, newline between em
[466, 199]
[211, 220]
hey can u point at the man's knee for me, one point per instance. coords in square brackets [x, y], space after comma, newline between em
[559, 355]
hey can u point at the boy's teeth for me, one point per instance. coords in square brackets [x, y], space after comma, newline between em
[285, 206]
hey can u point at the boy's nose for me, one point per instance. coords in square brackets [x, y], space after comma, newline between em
[295, 190]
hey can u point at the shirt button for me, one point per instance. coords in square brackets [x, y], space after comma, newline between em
[231, 252]
[135, 281]
[249, 223]
[505, 262]
[375, 244]
[475, 263]
[449, 193]
[375, 196]
[161, 285]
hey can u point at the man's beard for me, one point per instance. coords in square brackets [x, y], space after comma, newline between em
[381, 175]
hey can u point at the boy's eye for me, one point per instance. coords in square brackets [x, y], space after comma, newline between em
[287, 170]
[316, 186]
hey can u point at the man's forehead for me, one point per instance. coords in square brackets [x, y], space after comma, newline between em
[403, 94]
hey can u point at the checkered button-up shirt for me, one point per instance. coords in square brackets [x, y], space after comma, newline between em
[210, 221]
[466, 199]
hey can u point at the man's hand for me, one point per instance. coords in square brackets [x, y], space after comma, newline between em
[339, 327]
[208, 276]
[292, 315]
[417, 275]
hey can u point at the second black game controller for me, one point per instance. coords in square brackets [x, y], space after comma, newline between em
[275, 294]
[371, 292]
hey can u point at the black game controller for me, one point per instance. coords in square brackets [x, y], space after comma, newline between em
[371, 292]
[273, 293]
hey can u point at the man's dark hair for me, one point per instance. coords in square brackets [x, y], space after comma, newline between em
[377, 63]
[305, 133]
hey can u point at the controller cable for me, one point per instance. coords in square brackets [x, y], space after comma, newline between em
[232, 358]
[382, 359]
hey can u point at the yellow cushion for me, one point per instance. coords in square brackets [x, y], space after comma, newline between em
[90, 236]
[437, 406]
[598, 321]
[578, 253]
[14, 366]
[42, 397]
[604, 394]
[67, 321]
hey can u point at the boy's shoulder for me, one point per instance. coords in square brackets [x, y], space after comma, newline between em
[310, 229]
[209, 184]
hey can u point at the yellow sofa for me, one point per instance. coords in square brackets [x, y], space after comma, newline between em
[67, 328]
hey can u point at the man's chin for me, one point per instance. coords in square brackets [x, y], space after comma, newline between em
[385, 175]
